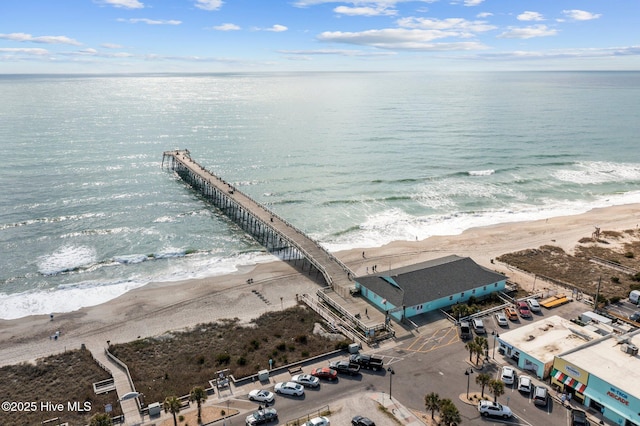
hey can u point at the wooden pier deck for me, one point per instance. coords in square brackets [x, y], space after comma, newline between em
[255, 218]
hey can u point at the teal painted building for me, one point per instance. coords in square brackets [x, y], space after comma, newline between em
[436, 284]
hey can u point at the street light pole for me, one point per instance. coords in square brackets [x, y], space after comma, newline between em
[468, 372]
[495, 338]
[391, 373]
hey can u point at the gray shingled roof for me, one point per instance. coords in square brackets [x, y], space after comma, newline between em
[427, 281]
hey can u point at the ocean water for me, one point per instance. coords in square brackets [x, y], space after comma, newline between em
[354, 159]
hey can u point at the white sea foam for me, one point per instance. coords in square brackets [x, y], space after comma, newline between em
[71, 297]
[481, 172]
[594, 172]
[66, 258]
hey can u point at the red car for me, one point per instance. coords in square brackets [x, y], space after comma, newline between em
[523, 309]
[324, 373]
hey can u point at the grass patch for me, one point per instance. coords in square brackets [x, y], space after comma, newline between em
[173, 364]
[59, 379]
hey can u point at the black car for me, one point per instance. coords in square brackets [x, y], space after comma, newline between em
[345, 367]
[579, 418]
[362, 421]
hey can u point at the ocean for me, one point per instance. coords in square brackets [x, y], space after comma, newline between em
[356, 160]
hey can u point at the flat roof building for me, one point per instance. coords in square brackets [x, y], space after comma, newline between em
[605, 376]
[534, 346]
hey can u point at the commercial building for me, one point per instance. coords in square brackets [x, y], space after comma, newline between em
[428, 286]
[604, 375]
[534, 346]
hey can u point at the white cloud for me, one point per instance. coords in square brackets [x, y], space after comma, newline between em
[365, 11]
[580, 15]
[530, 16]
[529, 32]
[125, 4]
[472, 2]
[484, 15]
[29, 51]
[456, 24]
[226, 27]
[277, 28]
[151, 21]
[209, 4]
[399, 38]
[22, 37]
[111, 46]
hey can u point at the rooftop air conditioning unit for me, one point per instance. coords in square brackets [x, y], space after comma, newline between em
[632, 349]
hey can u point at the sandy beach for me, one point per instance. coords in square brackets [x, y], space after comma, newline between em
[160, 307]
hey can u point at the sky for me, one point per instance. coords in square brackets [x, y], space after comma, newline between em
[183, 36]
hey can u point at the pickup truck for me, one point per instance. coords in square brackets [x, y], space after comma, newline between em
[366, 361]
[345, 367]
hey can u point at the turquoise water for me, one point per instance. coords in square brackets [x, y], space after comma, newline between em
[354, 159]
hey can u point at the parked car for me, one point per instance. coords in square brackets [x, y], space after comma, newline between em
[501, 319]
[490, 408]
[261, 417]
[540, 396]
[289, 388]
[511, 313]
[362, 421]
[261, 395]
[324, 373]
[524, 384]
[306, 380]
[318, 421]
[635, 317]
[534, 306]
[478, 326]
[523, 309]
[465, 330]
[579, 418]
[508, 375]
[345, 367]
[367, 361]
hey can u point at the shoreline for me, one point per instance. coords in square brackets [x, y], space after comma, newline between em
[157, 308]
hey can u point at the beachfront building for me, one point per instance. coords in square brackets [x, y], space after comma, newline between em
[603, 375]
[415, 289]
[534, 346]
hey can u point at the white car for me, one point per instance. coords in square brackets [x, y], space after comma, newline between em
[508, 375]
[318, 421]
[490, 408]
[478, 326]
[501, 319]
[534, 306]
[524, 384]
[261, 395]
[306, 380]
[289, 388]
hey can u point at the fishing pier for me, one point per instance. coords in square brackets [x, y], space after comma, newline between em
[282, 238]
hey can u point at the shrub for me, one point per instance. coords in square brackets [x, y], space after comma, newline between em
[223, 359]
[302, 339]
[281, 346]
[242, 361]
[615, 280]
[629, 255]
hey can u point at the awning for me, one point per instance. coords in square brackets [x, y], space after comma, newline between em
[569, 381]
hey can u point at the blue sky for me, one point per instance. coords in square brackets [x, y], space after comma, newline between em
[127, 36]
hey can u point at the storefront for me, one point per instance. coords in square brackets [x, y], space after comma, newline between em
[617, 405]
[569, 379]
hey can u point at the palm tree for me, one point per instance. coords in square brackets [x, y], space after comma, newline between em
[198, 394]
[172, 405]
[483, 379]
[449, 414]
[497, 388]
[471, 346]
[101, 419]
[432, 402]
[482, 344]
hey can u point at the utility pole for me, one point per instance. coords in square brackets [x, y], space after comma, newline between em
[595, 305]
